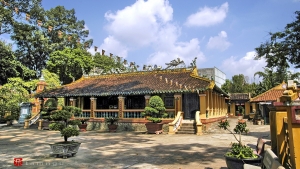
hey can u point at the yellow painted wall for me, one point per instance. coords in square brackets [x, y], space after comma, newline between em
[232, 109]
[294, 141]
[202, 107]
[247, 108]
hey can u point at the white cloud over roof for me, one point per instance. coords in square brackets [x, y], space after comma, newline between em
[218, 42]
[208, 16]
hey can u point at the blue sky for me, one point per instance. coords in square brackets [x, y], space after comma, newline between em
[219, 33]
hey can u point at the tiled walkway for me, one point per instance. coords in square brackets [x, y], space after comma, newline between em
[126, 150]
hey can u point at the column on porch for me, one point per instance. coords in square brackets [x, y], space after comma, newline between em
[72, 101]
[219, 104]
[224, 105]
[207, 104]
[232, 109]
[211, 104]
[121, 102]
[203, 105]
[93, 106]
[214, 104]
[178, 103]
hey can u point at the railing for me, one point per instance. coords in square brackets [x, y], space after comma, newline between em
[137, 113]
[286, 161]
[85, 114]
[33, 119]
[106, 113]
[175, 124]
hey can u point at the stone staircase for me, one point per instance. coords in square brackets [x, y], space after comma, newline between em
[187, 127]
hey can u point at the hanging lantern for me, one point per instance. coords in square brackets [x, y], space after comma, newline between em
[78, 40]
[27, 17]
[95, 48]
[86, 44]
[110, 55]
[17, 10]
[5, 3]
[60, 34]
[103, 52]
[69, 38]
[50, 28]
[125, 62]
[39, 23]
[119, 59]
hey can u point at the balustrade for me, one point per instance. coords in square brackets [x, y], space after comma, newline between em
[103, 114]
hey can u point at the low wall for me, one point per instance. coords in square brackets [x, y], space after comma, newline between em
[122, 126]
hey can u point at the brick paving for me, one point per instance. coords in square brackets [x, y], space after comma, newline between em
[123, 150]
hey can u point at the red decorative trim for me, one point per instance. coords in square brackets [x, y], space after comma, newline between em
[296, 114]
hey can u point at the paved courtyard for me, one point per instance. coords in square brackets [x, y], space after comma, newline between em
[124, 150]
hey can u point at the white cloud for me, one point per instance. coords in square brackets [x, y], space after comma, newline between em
[138, 24]
[208, 16]
[149, 24]
[245, 65]
[218, 42]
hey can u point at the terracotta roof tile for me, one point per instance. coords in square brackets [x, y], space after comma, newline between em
[271, 95]
[132, 83]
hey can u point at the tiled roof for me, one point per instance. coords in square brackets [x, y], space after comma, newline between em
[239, 96]
[164, 81]
[270, 95]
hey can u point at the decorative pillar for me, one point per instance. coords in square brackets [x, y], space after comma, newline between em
[121, 105]
[26, 124]
[203, 105]
[211, 105]
[40, 124]
[93, 106]
[178, 101]
[72, 103]
[214, 103]
[207, 104]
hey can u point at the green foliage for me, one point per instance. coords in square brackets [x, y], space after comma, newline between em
[28, 116]
[62, 121]
[74, 122]
[14, 92]
[111, 120]
[238, 84]
[241, 110]
[70, 64]
[155, 109]
[9, 118]
[238, 150]
[108, 64]
[9, 66]
[282, 49]
[241, 151]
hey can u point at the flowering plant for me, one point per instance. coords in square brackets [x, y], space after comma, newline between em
[238, 150]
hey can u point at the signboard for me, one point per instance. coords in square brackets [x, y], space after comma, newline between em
[25, 111]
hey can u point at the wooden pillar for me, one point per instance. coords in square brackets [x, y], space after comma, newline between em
[93, 106]
[232, 109]
[214, 104]
[121, 105]
[203, 105]
[178, 101]
[72, 103]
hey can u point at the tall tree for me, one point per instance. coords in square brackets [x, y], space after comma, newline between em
[109, 64]
[70, 64]
[283, 48]
[9, 66]
[45, 32]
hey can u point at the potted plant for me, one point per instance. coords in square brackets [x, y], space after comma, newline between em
[154, 112]
[9, 119]
[241, 111]
[83, 125]
[112, 127]
[66, 127]
[239, 154]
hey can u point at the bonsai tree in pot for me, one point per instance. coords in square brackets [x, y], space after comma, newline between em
[66, 127]
[112, 127]
[239, 154]
[155, 111]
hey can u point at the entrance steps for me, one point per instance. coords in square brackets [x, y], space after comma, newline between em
[187, 127]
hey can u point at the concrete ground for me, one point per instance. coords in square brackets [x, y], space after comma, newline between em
[126, 150]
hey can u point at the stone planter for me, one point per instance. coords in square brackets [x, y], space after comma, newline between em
[112, 127]
[153, 128]
[64, 149]
[235, 163]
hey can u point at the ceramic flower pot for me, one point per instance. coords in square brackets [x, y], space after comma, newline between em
[235, 163]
